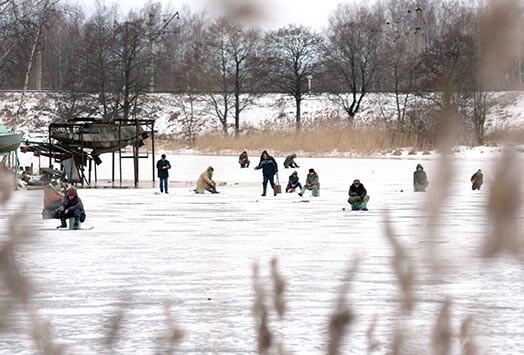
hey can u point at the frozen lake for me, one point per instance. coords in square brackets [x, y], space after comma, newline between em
[198, 251]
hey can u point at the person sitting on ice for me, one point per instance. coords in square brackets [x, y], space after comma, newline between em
[205, 182]
[243, 160]
[293, 182]
[52, 202]
[72, 208]
[312, 183]
[290, 161]
[420, 179]
[358, 196]
[477, 180]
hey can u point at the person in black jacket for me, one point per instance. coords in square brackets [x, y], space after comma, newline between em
[269, 169]
[293, 182]
[72, 208]
[358, 196]
[290, 161]
[163, 166]
[477, 180]
[243, 160]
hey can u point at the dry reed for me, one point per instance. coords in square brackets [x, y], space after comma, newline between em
[363, 140]
[442, 332]
[467, 342]
[504, 202]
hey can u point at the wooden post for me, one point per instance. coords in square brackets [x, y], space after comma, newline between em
[153, 144]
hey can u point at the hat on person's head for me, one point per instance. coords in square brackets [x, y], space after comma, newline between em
[210, 168]
[163, 156]
[71, 193]
[356, 181]
[479, 171]
[65, 181]
[311, 170]
[295, 173]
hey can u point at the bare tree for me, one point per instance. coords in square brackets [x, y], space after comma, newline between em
[292, 55]
[352, 54]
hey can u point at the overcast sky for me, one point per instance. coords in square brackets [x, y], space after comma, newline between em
[272, 13]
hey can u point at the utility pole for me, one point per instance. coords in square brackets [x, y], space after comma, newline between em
[150, 54]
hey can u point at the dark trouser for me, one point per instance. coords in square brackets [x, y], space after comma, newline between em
[271, 179]
[420, 187]
[163, 184]
[475, 187]
[70, 214]
[293, 186]
[244, 164]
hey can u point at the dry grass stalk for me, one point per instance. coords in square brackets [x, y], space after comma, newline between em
[115, 323]
[264, 335]
[403, 269]
[442, 332]
[6, 188]
[467, 342]
[398, 340]
[440, 191]
[373, 343]
[279, 286]
[43, 338]
[174, 334]
[342, 316]
[503, 205]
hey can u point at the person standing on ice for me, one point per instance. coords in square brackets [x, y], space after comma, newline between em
[205, 182]
[269, 169]
[420, 179]
[163, 166]
[358, 196]
[477, 180]
[312, 183]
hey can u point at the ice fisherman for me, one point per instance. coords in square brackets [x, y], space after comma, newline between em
[290, 161]
[420, 179]
[72, 208]
[243, 160]
[312, 183]
[52, 201]
[205, 182]
[269, 168]
[163, 166]
[293, 182]
[477, 180]
[358, 196]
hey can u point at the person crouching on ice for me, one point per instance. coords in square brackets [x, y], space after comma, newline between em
[72, 208]
[358, 196]
[312, 183]
[243, 160]
[477, 180]
[420, 179]
[205, 182]
[293, 182]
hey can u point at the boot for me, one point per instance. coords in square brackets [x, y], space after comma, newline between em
[76, 225]
[264, 190]
[63, 223]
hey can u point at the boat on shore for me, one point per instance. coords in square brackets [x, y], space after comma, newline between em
[9, 141]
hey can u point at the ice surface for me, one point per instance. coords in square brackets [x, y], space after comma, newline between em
[198, 250]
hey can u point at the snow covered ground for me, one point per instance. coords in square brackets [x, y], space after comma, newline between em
[198, 251]
[274, 111]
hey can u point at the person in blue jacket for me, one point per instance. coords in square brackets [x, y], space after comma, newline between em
[269, 169]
